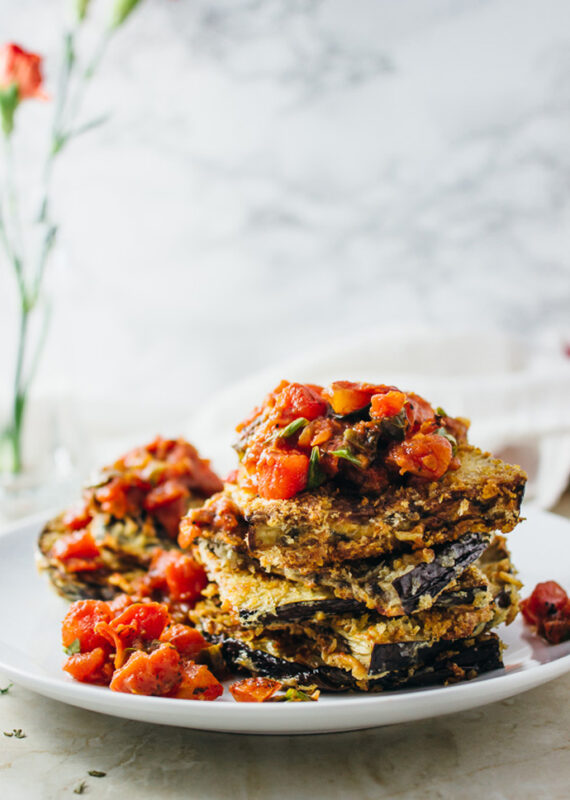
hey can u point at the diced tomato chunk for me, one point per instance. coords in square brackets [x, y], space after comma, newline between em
[77, 518]
[426, 455]
[177, 574]
[79, 545]
[281, 474]
[90, 667]
[119, 603]
[346, 397]
[254, 690]
[547, 598]
[155, 673]
[387, 405]
[299, 400]
[198, 683]
[188, 641]
[80, 621]
[148, 620]
[421, 415]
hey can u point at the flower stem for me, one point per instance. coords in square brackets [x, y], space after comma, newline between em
[20, 393]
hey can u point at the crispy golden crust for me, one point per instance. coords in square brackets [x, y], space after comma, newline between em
[327, 526]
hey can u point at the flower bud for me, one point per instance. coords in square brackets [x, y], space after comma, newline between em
[20, 79]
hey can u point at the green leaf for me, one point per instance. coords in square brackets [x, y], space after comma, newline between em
[73, 648]
[316, 474]
[440, 412]
[347, 455]
[7, 689]
[122, 10]
[450, 438]
[96, 774]
[292, 428]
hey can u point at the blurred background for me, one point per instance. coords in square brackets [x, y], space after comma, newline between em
[279, 176]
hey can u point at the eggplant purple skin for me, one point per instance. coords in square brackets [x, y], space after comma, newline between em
[433, 578]
[424, 579]
[476, 656]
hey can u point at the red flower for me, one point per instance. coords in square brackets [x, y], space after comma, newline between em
[22, 69]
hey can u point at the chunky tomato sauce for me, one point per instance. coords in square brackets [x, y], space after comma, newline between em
[136, 648]
[158, 481]
[364, 434]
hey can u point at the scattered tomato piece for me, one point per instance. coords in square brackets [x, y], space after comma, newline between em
[90, 667]
[156, 673]
[254, 690]
[548, 609]
[80, 621]
[188, 641]
[198, 683]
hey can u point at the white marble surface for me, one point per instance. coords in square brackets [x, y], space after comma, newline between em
[276, 173]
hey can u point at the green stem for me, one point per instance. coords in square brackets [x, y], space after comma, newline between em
[20, 391]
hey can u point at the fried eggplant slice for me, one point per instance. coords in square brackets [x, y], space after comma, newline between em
[327, 526]
[260, 598]
[351, 643]
[133, 508]
[459, 660]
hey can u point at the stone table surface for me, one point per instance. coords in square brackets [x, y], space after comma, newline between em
[516, 748]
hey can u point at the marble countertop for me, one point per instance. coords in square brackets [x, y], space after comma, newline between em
[517, 748]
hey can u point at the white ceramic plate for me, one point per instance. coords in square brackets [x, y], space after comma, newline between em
[30, 654]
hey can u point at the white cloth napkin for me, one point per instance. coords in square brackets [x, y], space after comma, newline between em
[516, 393]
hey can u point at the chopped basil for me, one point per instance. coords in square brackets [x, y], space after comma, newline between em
[450, 438]
[7, 689]
[80, 788]
[440, 412]
[316, 474]
[292, 428]
[347, 455]
[395, 427]
[296, 696]
[96, 774]
[73, 648]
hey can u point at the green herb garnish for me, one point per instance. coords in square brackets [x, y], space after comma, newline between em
[440, 412]
[80, 788]
[17, 733]
[292, 428]
[7, 689]
[96, 774]
[316, 474]
[450, 438]
[73, 648]
[395, 427]
[347, 455]
[295, 696]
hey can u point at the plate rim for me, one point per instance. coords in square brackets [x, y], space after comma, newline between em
[295, 718]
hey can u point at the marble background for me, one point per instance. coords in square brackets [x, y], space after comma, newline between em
[278, 173]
